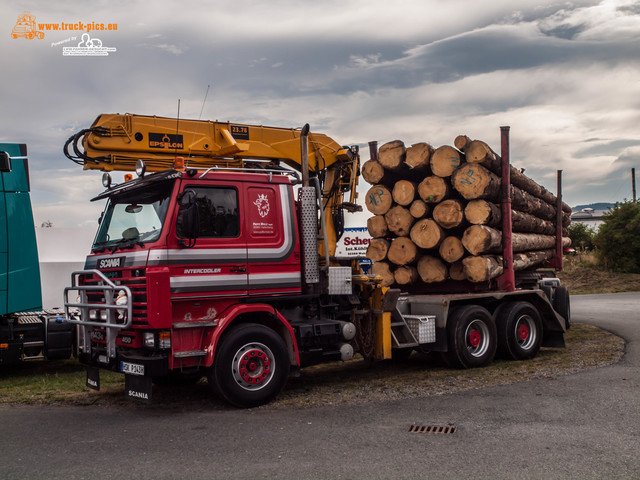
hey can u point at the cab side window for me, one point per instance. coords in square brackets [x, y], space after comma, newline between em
[217, 212]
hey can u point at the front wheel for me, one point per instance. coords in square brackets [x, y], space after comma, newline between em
[472, 338]
[251, 366]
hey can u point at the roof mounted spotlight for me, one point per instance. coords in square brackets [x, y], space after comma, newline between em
[140, 168]
[106, 180]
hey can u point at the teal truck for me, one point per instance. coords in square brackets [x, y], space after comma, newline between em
[27, 332]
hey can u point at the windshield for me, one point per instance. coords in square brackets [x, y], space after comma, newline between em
[134, 218]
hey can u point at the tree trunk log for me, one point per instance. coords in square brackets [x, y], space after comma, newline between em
[481, 269]
[445, 160]
[391, 155]
[377, 249]
[418, 156]
[378, 200]
[402, 251]
[486, 267]
[399, 220]
[479, 239]
[461, 142]
[432, 269]
[473, 181]
[404, 192]
[449, 213]
[433, 189]
[481, 212]
[426, 233]
[405, 275]
[384, 270]
[479, 152]
[456, 271]
[377, 226]
[451, 249]
[418, 209]
[372, 171]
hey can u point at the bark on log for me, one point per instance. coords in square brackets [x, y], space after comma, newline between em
[433, 189]
[377, 249]
[456, 271]
[418, 156]
[482, 268]
[384, 270]
[432, 269]
[399, 220]
[405, 275]
[391, 155]
[451, 249]
[402, 251]
[377, 226]
[449, 213]
[479, 239]
[486, 267]
[426, 233]
[372, 171]
[481, 212]
[445, 160]
[473, 181]
[378, 200]
[418, 209]
[404, 192]
[479, 152]
[461, 142]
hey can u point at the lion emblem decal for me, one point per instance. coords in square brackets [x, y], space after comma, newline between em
[262, 202]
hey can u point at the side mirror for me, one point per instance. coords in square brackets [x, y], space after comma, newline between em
[188, 221]
[5, 162]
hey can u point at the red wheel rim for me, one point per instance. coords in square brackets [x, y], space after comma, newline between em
[475, 337]
[255, 366]
[523, 332]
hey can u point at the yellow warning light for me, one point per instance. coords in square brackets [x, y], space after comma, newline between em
[179, 164]
[4, 345]
[128, 177]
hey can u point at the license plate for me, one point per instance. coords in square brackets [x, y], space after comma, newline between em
[131, 368]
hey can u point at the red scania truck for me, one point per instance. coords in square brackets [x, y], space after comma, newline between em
[222, 264]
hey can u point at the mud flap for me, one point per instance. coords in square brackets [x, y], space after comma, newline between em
[138, 388]
[93, 378]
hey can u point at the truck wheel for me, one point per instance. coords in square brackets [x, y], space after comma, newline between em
[519, 330]
[472, 338]
[251, 366]
[562, 304]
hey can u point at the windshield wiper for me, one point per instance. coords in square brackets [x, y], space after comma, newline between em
[125, 243]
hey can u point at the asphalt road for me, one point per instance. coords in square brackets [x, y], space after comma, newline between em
[584, 425]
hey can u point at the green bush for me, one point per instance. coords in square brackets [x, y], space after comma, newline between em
[618, 239]
[581, 236]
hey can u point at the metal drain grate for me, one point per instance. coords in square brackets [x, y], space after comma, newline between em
[432, 429]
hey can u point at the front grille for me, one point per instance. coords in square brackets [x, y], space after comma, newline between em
[137, 284]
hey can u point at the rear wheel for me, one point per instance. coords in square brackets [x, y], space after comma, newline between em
[251, 366]
[519, 330]
[472, 338]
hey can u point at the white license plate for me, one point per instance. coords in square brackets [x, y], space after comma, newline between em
[131, 368]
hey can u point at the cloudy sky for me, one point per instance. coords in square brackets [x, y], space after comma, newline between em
[564, 75]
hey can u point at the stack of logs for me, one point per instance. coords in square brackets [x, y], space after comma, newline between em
[437, 214]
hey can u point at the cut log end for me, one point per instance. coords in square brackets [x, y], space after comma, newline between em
[378, 200]
[384, 270]
[391, 155]
[432, 269]
[402, 251]
[445, 160]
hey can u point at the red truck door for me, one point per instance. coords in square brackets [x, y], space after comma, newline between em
[273, 249]
[217, 265]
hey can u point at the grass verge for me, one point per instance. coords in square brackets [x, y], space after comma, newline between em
[582, 274]
[338, 383]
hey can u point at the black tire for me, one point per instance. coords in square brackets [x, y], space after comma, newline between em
[562, 304]
[251, 366]
[519, 330]
[471, 337]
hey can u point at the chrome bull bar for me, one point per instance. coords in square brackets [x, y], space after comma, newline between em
[110, 322]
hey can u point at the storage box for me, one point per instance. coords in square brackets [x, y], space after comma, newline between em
[423, 327]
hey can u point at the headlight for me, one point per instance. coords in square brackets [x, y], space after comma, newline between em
[149, 339]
